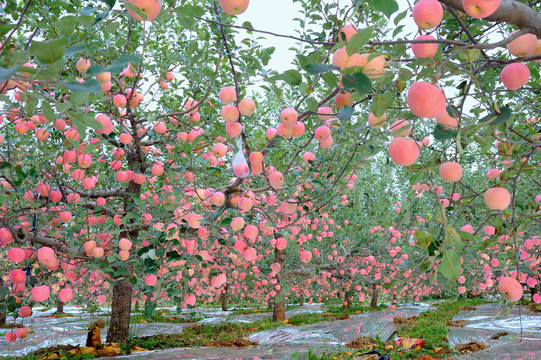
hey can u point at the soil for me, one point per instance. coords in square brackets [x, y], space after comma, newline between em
[471, 347]
[499, 335]
[362, 342]
[181, 320]
[343, 317]
[456, 323]
[441, 351]
[53, 349]
[368, 357]
[469, 308]
[11, 326]
[407, 321]
[231, 343]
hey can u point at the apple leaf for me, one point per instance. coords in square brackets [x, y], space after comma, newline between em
[422, 238]
[357, 81]
[442, 133]
[346, 113]
[387, 7]
[149, 310]
[116, 66]
[314, 68]
[452, 236]
[496, 118]
[89, 86]
[111, 3]
[292, 77]
[49, 52]
[6, 74]
[69, 52]
[135, 9]
[358, 40]
[379, 105]
[389, 285]
[450, 265]
[191, 10]
[48, 111]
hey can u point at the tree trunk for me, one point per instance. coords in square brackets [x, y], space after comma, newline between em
[59, 307]
[301, 300]
[136, 304]
[123, 289]
[348, 297]
[120, 312]
[269, 303]
[375, 294]
[2, 314]
[223, 296]
[148, 301]
[279, 311]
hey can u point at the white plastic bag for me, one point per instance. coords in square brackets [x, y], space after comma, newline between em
[240, 165]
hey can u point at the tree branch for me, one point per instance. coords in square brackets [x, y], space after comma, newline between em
[510, 12]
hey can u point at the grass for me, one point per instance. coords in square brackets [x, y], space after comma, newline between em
[191, 336]
[160, 318]
[430, 326]
[257, 310]
[199, 335]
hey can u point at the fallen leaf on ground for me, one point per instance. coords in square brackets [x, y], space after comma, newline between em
[471, 347]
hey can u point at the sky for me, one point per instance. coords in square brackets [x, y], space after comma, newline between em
[277, 16]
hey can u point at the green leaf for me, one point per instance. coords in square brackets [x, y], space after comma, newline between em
[72, 50]
[6, 74]
[389, 285]
[312, 104]
[452, 237]
[442, 133]
[465, 235]
[495, 118]
[135, 9]
[346, 113]
[89, 86]
[387, 7]
[49, 52]
[450, 265]
[314, 68]
[379, 105]
[48, 111]
[292, 77]
[422, 238]
[82, 121]
[357, 81]
[116, 66]
[111, 3]
[358, 40]
[191, 10]
[150, 310]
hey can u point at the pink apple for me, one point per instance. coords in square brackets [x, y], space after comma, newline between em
[480, 8]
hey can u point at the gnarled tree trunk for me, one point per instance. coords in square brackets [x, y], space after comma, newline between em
[2, 314]
[123, 289]
[120, 312]
[2, 318]
[375, 294]
[59, 307]
[223, 296]
[348, 297]
[279, 311]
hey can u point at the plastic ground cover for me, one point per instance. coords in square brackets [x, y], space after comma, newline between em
[490, 320]
[283, 342]
[51, 331]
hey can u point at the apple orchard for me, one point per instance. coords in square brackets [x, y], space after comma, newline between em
[149, 154]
